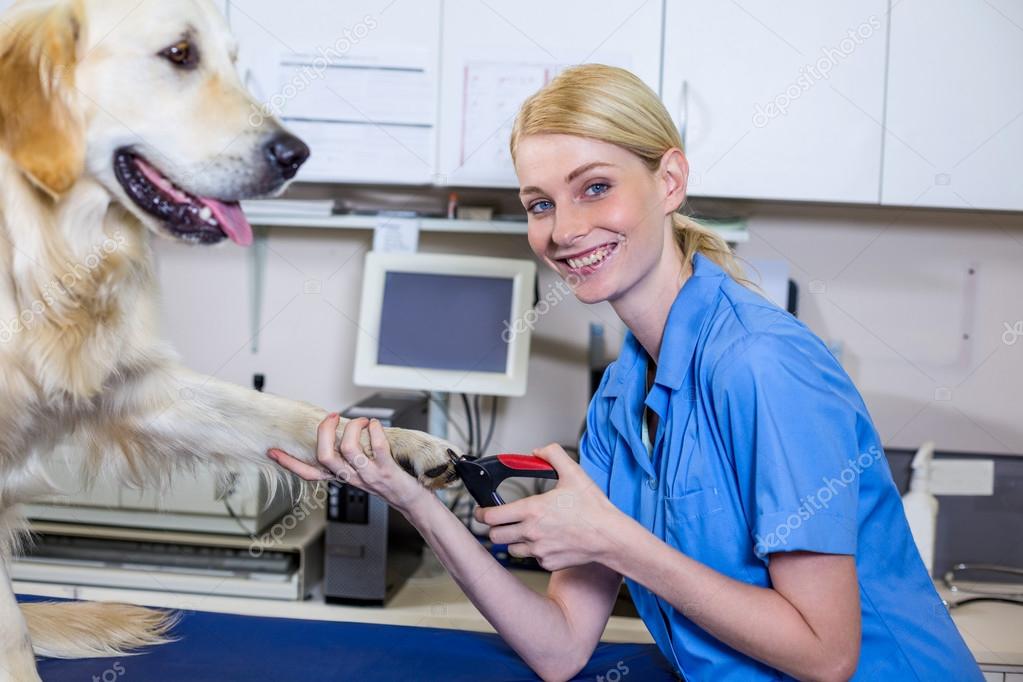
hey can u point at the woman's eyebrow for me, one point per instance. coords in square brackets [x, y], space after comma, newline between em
[532, 189]
[585, 167]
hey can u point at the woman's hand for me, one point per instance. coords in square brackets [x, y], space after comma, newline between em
[346, 461]
[566, 526]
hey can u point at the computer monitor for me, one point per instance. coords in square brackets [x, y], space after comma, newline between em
[438, 322]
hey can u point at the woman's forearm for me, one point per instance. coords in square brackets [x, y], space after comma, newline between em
[532, 624]
[757, 621]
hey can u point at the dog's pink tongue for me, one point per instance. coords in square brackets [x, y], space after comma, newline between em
[232, 220]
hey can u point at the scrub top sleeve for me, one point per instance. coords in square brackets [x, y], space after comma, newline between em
[594, 446]
[782, 413]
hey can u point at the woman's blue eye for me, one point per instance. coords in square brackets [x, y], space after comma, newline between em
[540, 206]
[597, 188]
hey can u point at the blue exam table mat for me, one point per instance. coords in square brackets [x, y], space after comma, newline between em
[218, 647]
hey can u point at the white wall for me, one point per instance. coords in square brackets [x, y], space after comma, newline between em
[891, 286]
[895, 290]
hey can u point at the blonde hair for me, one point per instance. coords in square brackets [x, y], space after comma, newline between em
[612, 105]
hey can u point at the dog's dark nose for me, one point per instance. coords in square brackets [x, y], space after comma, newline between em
[288, 153]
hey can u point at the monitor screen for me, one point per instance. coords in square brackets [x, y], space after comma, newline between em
[446, 322]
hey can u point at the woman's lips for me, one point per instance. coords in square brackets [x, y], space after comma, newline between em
[588, 262]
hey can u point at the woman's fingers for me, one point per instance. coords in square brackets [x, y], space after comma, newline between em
[519, 550]
[377, 440]
[513, 512]
[556, 456]
[298, 467]
[326, 433]
[351, 439]
[508, 534]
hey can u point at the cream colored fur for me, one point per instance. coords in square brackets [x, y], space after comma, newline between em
[82, 365]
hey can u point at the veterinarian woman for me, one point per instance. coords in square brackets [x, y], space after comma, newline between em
[730, 471]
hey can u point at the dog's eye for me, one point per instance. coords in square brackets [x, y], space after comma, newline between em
[182, 54]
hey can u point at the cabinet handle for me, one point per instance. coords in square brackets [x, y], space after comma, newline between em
[683, 114]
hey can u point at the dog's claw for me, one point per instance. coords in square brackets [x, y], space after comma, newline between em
[438, 471]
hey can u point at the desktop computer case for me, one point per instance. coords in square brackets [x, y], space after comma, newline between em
[371, 549]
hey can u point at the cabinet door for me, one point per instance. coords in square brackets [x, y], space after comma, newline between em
[955, 104]
[494, 55]
[778, 100]
[356, 79]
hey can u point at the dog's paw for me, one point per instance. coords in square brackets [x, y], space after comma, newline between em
[423, 456]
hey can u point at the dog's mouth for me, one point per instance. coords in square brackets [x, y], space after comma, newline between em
[191, 218]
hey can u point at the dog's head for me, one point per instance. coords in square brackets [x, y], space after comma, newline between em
[145, 99]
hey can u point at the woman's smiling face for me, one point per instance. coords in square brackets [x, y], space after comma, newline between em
[596, 213]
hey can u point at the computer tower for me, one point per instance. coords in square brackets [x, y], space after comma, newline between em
[371, 549]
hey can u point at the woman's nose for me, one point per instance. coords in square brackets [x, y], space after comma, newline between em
[569, 229]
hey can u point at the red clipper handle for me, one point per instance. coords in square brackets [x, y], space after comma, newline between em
[525, 462]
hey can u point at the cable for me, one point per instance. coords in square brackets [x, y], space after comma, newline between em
[468, 417]
[493, 421]
[479, 424]
[447, 416]
[238, 520]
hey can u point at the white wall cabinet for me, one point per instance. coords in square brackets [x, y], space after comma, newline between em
[356, 79]
[778, 100]
[955, 105]
[494, 55]
[795, 101]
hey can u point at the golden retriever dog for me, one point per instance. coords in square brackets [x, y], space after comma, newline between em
[120, 120]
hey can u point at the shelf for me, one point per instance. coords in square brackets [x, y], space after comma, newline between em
[734, 233]
[369, 222]
[262, 218]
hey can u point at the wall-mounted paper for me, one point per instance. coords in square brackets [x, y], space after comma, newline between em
[492, 93]
[396, 235]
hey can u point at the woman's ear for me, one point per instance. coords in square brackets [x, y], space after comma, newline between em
[40, 126]
[674, 173]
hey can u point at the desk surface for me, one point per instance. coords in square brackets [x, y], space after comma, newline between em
[430, 598]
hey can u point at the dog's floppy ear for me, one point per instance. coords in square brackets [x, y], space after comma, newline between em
[40, 128]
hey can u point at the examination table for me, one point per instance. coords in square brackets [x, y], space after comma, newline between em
[222, 647]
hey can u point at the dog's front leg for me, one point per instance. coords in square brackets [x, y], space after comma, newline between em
[17, 662]
[162, 415]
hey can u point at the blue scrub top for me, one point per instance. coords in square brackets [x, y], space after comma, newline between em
[763, 445]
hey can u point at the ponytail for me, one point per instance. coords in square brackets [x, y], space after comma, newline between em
[693, 238]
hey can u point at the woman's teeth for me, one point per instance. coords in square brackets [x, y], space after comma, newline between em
[590, 259]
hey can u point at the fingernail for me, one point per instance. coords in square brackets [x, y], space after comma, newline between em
[272, 454]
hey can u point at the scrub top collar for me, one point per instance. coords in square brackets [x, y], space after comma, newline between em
[626, 385]
[681, 332]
